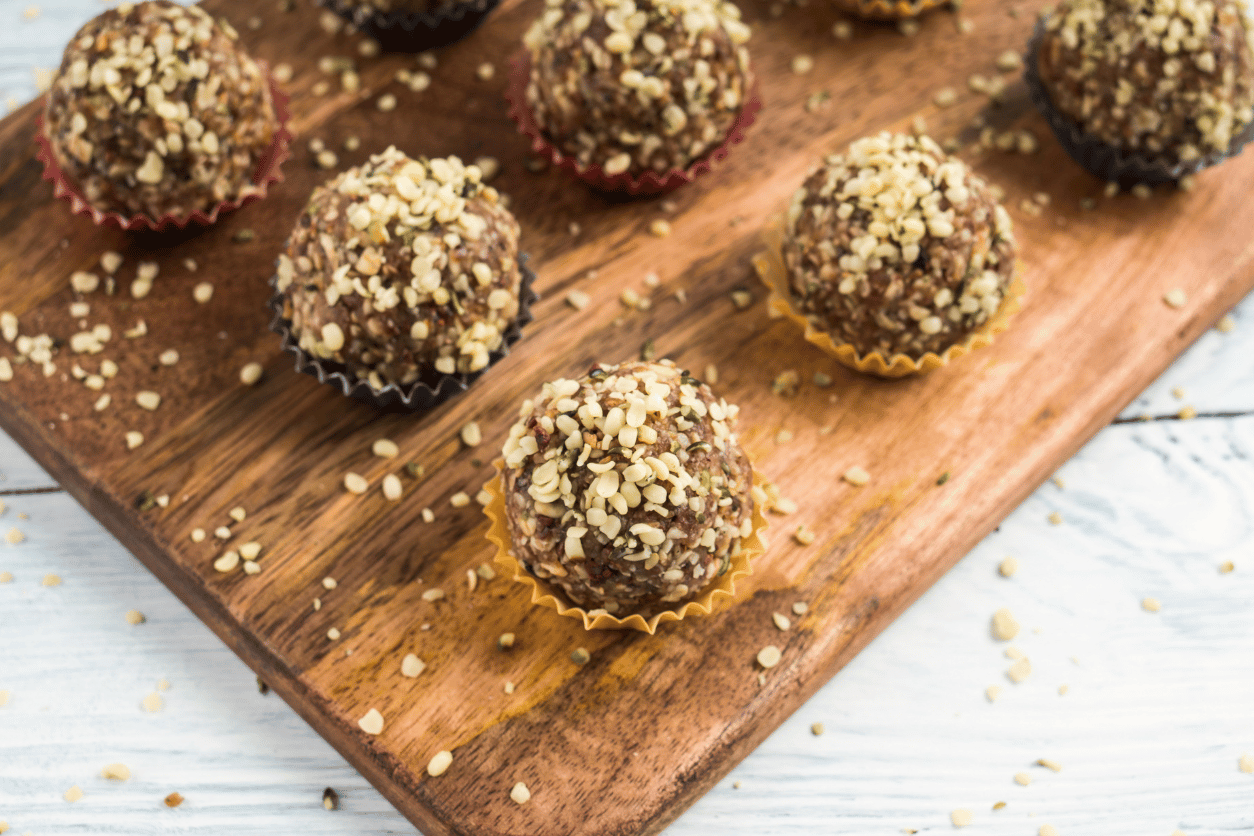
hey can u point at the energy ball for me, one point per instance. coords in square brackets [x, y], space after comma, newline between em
[1171, 80]
[897, 248]
[401, 267]
[637, 85]
[627, 488]
[157, 110]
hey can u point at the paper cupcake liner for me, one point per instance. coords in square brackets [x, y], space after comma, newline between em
[414, 31]
[424, 393]
[1111, 164]
[889, 9]
[770, 267]
[648, 183]
[549, 597]
[269, 171]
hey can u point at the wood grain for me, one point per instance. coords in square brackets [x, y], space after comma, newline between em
[623, 744]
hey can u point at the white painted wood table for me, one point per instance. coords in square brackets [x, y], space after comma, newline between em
[1158, 710]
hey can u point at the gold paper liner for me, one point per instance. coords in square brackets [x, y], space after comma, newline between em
[769, 265]
[889, 9]
[751, 547]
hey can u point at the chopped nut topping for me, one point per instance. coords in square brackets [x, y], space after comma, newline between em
[578, 300]
[459, 500]
[329, 583]
[1020, 670]
[116, 772]
[372, 722]
[1004, 626]
[1246, 763]
[202, 292]
[960, 818]
[781, 621]
[471, 436]
[250, 373]
[330, 799]
[520, 794]
[354, 483]
[803, 535]
[433, 594]
[1023, 779]
[769, 656]
[228, 561]
[1151, 605]
[385, 448]
[580, 656]
[1049, 764]
[1008, 567]
[152, 703]
[411, 665]
[439, 763]
[817, 729]
[992, 692]
[856, 476]
[135, 617]
[73, 794]
[173, 800]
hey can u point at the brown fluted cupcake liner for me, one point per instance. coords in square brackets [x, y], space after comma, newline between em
[770, 267]
[269, 171]
[414, 31]
[648, 183]
[1111, 164]
[889, 9]
[430, 390]
[550, 597]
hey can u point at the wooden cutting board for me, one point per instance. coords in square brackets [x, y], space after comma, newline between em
[624, 743]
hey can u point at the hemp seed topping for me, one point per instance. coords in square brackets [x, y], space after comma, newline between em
[402, 268]
[895, 247]
[1168, 80]
[156, 109]
[637, 85]
[627, 488]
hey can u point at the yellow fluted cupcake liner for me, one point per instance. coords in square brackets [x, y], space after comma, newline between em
[889, 9]
[544, 595]
[769, 265]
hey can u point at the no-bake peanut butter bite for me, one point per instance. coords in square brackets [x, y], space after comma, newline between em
[402, 268]
[895, 247]
[157, 110]
[1169, 80]
[633, 86]
[627, 489]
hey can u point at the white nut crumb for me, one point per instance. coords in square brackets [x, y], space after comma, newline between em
[471, 434]
[355, 483]
[152, 703]
[411, 665]
[1176, 298]
[1004, 626]
[198, 535]
[385, 448]
[433, 594]
[817, 729]
[800, 608]
[578, 300]
[250, 374]
[1226, 324]
[428, 516]
[803, 535]
[1023, 779]
[372, 723]
[1246, 763]
[14, 536]
[484, 497]
[439, 763]
[1047, 830]
[459, 500]
[1020, 670]
[660, 228]
[960, 818]
[386, 103]
[485, 71]
[769, 656]
[781, 621]
[392, 487]
[1049, 764]
[1151, 605]
[134, 438]
[252, 567]
[73, 794]
[329, 583]
[1008, 567]
[50, 580]
[1055, 518]
[237, 513]
[202, 292]
[168, 357]
[802, 64]
[992, 692]
[333, 634]
[116, 772]
[135, 617]
[227, 562]
[520, 794]
[856, 476]
[250, 550]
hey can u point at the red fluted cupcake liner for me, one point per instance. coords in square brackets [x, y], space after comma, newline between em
[428, 391]
[414, 31]
[648, 183]
[268, 173]
[1111, 164]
